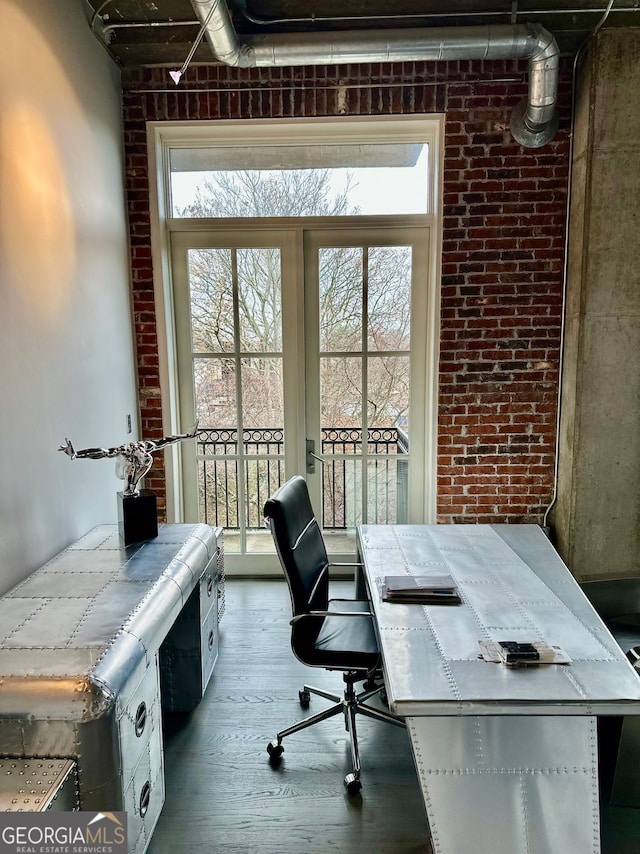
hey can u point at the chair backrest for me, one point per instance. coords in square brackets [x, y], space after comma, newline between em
[302, 553]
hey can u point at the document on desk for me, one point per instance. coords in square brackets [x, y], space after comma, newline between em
[507, 652]
[420, 590]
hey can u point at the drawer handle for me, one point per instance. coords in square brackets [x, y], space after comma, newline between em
[145, 797]
[210, 639]
[141, 719]
[209, 586]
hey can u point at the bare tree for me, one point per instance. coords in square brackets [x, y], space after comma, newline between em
[295, 192]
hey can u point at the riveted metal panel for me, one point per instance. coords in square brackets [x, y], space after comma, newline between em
[155, 613]
[515, 590]
[140, 723]
[210, 641]
[36, 785]
[143, 799]
[49, 624]
[524, 785]
[121, 666]
[54, 662]
[68, 585]
[72, 698]
[209, 589]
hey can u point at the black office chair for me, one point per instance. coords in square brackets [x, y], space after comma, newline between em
[336, 634]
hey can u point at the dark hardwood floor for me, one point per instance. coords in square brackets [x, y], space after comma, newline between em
[223, 797]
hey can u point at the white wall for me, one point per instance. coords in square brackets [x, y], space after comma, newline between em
[66, 351]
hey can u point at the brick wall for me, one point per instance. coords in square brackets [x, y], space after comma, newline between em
[502, 259]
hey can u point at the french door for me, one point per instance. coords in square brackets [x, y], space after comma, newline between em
[303, 351]
[365, 382]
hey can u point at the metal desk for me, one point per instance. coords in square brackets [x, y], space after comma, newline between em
[507, 757]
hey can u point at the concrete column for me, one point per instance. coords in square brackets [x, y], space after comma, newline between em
[596, 520]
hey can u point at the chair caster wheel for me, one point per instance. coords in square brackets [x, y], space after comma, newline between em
[369, 685]
[352, 784]
[275, 751]
[305, 699]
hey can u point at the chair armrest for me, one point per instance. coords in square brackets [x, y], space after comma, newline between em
[299, 617]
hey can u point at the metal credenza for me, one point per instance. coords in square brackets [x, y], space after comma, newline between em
[83, 642]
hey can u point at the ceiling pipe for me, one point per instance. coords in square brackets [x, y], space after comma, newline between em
[534, 121]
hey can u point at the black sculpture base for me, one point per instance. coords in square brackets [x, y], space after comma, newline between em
[137, 516]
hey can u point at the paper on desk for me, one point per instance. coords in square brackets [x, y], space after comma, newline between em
[549, 654]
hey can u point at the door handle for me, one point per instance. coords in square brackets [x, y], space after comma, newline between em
[312, 457]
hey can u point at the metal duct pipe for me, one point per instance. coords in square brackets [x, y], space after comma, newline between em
[534, 122]
[220, 32]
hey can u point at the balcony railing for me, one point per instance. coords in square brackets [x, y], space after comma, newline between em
[342, 488]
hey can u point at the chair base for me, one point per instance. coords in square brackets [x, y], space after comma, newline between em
[350, 705]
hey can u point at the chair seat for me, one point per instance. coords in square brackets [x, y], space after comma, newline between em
[347, 643]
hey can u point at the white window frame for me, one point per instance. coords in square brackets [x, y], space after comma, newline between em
[163, 136]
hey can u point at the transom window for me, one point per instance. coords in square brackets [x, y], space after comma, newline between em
[332, 179]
